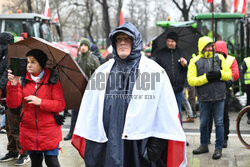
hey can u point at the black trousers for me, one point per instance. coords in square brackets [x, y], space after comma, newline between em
[50, 160]
[73, 120]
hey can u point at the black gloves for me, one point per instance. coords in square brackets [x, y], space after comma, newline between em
[213, 76]
[229, 83]
[59, 119]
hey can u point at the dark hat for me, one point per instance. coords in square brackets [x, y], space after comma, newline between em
[86, 42]
[173, 35]
[39, 55]
[6, 38]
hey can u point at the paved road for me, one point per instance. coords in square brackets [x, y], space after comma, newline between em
[236, 155]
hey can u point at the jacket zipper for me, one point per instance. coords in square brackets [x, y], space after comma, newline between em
[36, 120]
[172, 55]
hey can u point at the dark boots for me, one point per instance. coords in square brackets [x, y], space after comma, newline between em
[69, 136]
[201, 150]
[217, 153]
[204, 149]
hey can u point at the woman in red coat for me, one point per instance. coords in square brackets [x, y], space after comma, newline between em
[41, 96]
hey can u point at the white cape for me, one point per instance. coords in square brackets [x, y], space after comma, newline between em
[146, 117]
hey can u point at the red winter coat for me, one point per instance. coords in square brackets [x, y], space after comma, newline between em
[38, 128]
[221, 46]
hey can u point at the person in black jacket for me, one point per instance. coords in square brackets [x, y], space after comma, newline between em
[174, 60]
[12, 115]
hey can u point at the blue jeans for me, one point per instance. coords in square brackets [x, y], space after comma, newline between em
[54, 152]
[218, 109]
[179, 96]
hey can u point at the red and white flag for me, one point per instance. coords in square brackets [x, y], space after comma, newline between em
[175, 158]
[234, 7]
[242, 6]
[239, 6]
[47, 9]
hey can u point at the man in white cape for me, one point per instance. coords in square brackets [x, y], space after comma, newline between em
[129, 115]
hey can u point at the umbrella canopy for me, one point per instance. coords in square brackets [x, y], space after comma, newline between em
[71, 77]
[188, 40]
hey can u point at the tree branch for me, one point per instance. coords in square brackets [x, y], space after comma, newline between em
[99, 2]
[177, 5]
[191, 3]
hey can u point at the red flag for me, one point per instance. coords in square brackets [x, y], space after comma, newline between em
[47, 9]
[234, 7]
[79, 143]
[107, 51]
[210, 1]
[176, 151]
[121, 18]
[242, 6]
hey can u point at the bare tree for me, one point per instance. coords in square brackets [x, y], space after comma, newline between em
[132, 11]
[63, 15]
[217, 6]
[15, 5]
[90, 15]
[224, 6]
[105, 11]
[29, 6]
[185, 8]
[119, 9]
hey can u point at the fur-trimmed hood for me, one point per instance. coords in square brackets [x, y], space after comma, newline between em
[53, 77]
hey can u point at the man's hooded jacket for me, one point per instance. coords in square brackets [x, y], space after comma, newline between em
[198, 68]
[6, 38]
[118, 119]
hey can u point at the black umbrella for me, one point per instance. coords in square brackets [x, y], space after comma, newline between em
[188, 40]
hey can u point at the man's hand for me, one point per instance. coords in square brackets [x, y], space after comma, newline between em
[31, 99]
[213, 76]
[183, 62]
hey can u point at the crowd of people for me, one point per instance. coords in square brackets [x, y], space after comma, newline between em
[113, 126]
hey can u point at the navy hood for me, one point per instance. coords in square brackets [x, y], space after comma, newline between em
[129, 29]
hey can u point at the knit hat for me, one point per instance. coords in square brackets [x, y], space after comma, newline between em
[86, 42]
[173, 35]
[39, 55]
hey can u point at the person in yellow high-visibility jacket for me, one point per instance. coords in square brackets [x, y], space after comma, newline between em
[208, 72]
[245, 81]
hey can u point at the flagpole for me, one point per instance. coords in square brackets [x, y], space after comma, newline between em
[213, 36]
